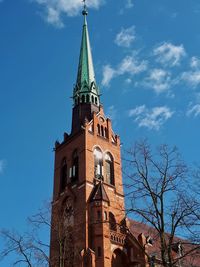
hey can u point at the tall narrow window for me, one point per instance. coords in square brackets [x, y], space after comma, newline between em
[63, 175]
[92, 99]
[75, 165]
[106, 132]
[99, 251]
[98, 163]
[102, 130]
[98, 129]
[87, 98]
[83, 99]
[98, 215]
[105, 216]
[112, 222]
[109, 169]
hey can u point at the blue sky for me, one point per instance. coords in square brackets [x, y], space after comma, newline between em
[147, 63]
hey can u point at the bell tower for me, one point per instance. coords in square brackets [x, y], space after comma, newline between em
[88, 226]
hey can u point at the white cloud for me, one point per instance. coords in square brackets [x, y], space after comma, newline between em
[195, 62]
[159, 80]
[169, 54]
[108, 74]
[152, 118]
[53, 17]
[137, 111]
[194, 110]
[129, 65]
[2, 165]
[129, 4]
[125, 37]
[191, 77]
[55, 9]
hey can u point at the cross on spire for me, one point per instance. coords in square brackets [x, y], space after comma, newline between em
[84, 8]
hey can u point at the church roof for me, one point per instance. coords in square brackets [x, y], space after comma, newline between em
[99, 193]
[191, 259]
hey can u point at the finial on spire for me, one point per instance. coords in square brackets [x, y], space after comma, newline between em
[85, 12]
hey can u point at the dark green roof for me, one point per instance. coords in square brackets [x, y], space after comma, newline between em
[86, 82]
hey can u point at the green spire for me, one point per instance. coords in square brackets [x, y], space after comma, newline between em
[86, 90]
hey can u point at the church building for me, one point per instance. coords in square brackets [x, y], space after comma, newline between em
[88, 226]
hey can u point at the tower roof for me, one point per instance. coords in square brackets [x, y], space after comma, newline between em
[99, 193]
[86, 82]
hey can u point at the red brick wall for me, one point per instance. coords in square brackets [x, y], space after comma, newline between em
[87, 232]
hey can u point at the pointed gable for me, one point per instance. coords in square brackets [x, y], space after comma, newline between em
[99, 193]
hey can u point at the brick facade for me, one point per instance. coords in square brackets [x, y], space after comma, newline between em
[88, 213]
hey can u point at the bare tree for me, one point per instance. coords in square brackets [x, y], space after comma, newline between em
[30, 249]
[158, 194]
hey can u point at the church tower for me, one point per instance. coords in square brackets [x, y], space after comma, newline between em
[88, 226]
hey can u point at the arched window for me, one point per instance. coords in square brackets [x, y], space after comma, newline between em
[98, 164]
[87, 98]
[106, 132]
[74, 170]
[98, 129]
[83, 99]
[112, 222]
[63, 175]
[96, 100]
[119, 259]
[102, 130]
[92, 99]
[109, 169]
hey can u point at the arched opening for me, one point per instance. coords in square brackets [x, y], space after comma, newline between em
[87, 98]
[83, 99]
[102, 130]
[63, 175]
[98, 129]
[96, 100]
[112, 222]
[109, 169]
[92, 99]
[98, 163]
[119, 258]
[75, 166]
[106, 132]
[105, 217]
